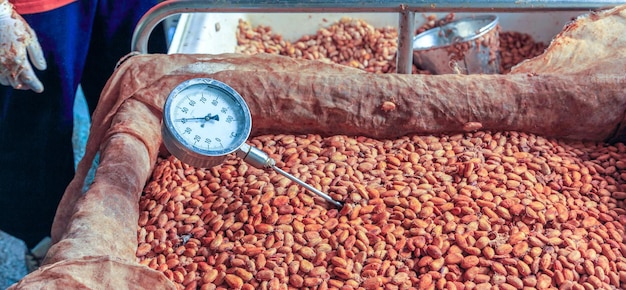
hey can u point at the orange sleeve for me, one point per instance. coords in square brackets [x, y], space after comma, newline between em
[37, 6]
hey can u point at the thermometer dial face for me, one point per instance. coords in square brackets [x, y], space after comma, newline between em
[205, 118]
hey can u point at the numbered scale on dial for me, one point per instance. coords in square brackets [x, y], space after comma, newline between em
[204, 120]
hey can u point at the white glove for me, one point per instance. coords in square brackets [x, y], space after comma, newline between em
[16, 40]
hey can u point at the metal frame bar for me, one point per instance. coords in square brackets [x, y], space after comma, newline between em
[406, 9]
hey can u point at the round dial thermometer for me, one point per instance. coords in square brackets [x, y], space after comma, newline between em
[203, 121]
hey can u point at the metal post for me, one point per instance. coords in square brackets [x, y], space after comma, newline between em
[404, 61]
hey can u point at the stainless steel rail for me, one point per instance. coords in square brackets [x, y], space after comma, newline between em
[406, 9]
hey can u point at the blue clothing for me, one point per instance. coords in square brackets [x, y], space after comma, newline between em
[82, 42]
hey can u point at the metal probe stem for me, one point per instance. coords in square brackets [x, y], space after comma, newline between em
[309, 187]
[259, 159]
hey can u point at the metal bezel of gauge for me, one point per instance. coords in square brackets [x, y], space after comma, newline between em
[189, 153]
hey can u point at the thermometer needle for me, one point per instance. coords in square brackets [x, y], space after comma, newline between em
[206, 118]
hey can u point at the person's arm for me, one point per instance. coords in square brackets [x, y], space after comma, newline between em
[17, 40]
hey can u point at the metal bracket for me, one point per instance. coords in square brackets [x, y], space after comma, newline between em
[406, 9]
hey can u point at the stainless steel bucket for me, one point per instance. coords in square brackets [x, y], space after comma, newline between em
[464, 46]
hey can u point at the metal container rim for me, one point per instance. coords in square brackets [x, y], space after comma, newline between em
[493, 22]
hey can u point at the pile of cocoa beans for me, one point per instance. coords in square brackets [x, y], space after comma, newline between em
[482, 210]
[355, 43]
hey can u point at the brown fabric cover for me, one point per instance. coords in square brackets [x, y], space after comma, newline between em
[591, 45]
[94, 273]
[575, 90]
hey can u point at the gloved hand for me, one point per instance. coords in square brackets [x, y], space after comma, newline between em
[16, 40]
